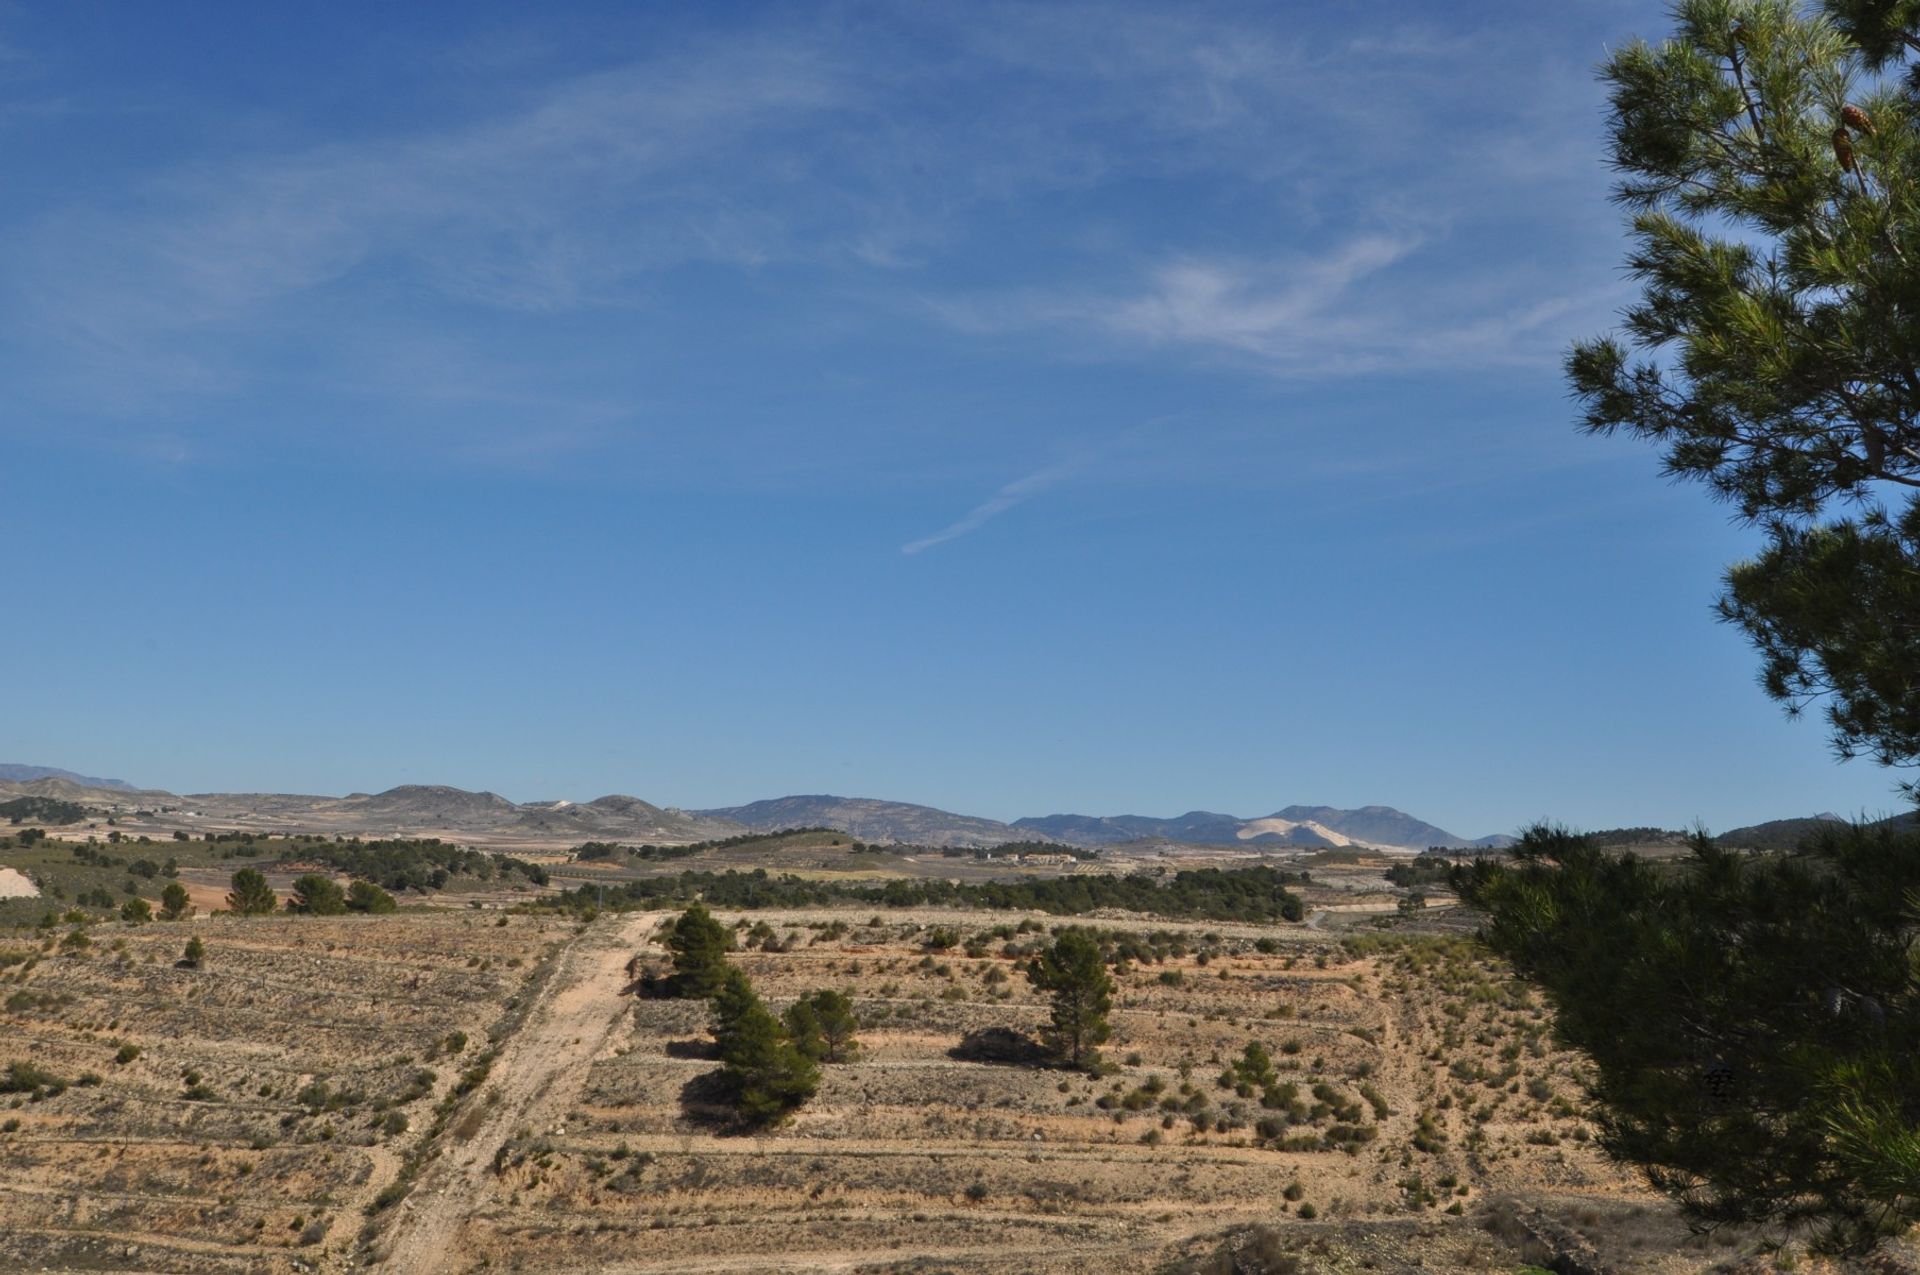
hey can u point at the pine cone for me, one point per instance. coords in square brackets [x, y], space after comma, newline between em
[1843, 149]
[1858, 120]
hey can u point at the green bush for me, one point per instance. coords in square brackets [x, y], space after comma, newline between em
[317, 895]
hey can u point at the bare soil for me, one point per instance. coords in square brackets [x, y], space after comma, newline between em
[559, 1134]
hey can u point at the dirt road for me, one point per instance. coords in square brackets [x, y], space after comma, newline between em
[536, 1080]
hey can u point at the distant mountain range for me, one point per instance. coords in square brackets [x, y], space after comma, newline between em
[429, 809]
[13, 773]
[487, 818]
[1787, 834]
[1296, 827]
[870, 820]
[1317, 827]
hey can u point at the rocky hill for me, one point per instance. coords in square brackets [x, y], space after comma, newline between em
[17, 773]
[622, 818]
[1315, 827]
[870, 820]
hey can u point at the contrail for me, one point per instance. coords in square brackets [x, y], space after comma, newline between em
[1020, 489]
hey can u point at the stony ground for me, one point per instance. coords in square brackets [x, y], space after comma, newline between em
[302, 1102]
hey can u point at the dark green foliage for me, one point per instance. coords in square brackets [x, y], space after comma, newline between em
[1074, 972]
[1754, 1021]
[823, 1027]
[699, 945]
[1257, 894]
[28, 1077]
[1883, 29]
[1772, 178]
[1835, 612]
[588, 852]
[48, 810]
[136, 911]
[365, 896]
[174, 903]
[426, 864]
[251, 895]
[196, 954]
[1253, 1070]
[764, 1074]
[1414, 873]
[317, 895]
[1620, 838]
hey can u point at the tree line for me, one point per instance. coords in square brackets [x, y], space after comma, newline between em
[1257, 894]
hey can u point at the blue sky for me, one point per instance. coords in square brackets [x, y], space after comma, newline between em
[1014, 408]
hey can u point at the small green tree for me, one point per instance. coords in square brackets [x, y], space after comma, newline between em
[699, 945]
[195, 955]
[763, 1073]
[251, 895]
[175, 904]
[317, 895]
[365, 896]
[1253, 1070]
[1074, 973]
[823, 1026]
[136, 911]
[732, 1001]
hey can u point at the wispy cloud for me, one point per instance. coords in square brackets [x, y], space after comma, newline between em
[1203, 182]
[1209, 303]
[1343, 312]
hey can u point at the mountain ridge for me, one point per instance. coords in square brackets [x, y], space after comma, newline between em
[20, 773]
[420, 809]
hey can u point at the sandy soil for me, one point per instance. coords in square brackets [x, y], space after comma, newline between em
[534, 1083]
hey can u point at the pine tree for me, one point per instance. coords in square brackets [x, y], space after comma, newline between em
[823, 1026]
[365, 896]
[195, 955]
[251, 895]
[764, 1074]
[1753, 1020]
[317, 895]
[1770, 161]
[699, 945]
[175, 904]
[1073, 970]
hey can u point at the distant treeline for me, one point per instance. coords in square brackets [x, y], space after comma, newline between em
[591, 850]
[47, 810]
[1211, 894]
[1009, 849]
[1413, 874]
[426, 864]
[1616, 837]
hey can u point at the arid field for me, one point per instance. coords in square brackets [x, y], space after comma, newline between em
[472, 1089]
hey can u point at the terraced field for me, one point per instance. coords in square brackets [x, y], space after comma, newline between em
[302, 1102]
[240, 1116]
